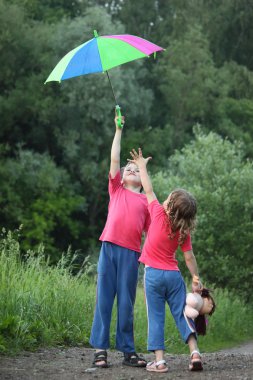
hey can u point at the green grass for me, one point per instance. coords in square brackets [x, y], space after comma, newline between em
[43, 306]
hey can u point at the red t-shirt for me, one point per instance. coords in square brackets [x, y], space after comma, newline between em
[159, 250]
[127, 218]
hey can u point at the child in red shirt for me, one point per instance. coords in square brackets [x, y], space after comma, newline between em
[171, 224]
[127, 219]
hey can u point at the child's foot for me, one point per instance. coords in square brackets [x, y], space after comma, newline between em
[195, 363]
[159, 366]
[100, 359]
[134, 360]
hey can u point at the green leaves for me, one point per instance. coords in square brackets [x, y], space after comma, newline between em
[55, 138]
[40, 195]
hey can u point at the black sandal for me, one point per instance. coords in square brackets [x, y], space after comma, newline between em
[100, 356]
[132, 359]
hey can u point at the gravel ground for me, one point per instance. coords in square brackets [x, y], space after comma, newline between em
[75, 363]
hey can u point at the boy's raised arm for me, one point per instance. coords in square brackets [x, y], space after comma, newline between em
[115, 150]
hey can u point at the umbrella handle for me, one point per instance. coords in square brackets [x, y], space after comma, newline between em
[118, 113]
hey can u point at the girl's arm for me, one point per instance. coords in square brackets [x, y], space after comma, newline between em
[191, 264]
[141, 162]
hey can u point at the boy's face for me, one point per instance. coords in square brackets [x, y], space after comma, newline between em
[131, 175]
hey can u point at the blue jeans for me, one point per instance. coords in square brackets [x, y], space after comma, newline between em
[163, 286]
[117, 276]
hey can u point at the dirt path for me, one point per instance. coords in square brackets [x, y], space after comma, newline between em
[75, 363]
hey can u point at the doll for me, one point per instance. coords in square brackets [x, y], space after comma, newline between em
[198, 305]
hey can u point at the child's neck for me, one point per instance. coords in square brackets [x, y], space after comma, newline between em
[133, 188]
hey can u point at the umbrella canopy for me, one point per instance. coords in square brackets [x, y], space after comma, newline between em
[100, 54]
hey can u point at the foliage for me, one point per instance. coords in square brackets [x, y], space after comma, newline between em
[52, 10]
[188, 83]
[204, 76]
[230, 30]
[40, 304]
[39, 195]
[214, 171]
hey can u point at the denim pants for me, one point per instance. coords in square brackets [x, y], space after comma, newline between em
[161, 287]
[117, 276]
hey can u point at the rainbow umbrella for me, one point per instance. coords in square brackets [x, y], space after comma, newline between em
[101, 54]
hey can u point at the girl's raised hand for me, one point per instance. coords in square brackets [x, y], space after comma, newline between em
[138, 159]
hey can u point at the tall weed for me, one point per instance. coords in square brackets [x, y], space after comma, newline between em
[39, 304]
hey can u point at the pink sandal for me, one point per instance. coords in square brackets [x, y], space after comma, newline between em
[154, 366]
[195, 363]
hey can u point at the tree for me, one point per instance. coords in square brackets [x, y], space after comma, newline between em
[187, 83]
[230, 31]
[37, 194]
[52, 11]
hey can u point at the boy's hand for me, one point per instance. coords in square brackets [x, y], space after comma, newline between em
[116, 121]
[138, 159]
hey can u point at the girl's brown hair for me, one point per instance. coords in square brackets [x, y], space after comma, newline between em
[182, 209]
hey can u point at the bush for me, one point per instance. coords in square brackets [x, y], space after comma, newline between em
[40, 195]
